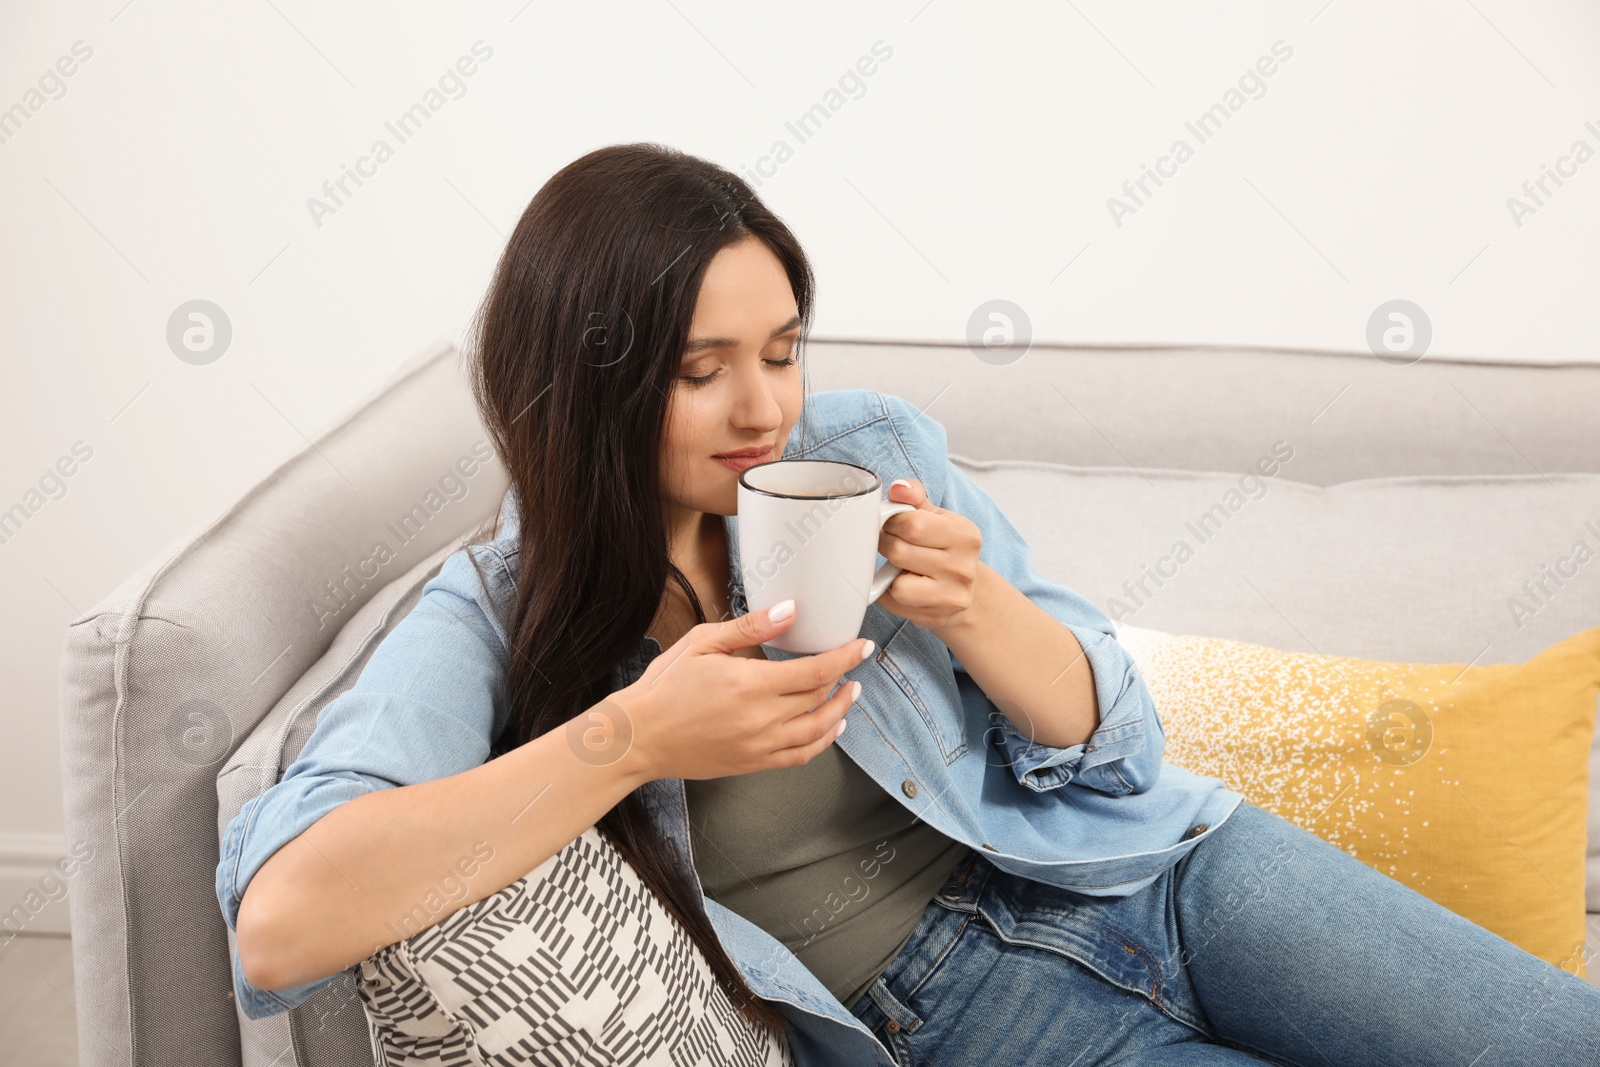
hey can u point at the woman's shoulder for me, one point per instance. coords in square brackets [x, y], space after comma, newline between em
[833, 412]
[848, 408]
[483, 571]
[857, 424]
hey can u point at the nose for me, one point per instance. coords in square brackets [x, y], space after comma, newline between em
[756, 406]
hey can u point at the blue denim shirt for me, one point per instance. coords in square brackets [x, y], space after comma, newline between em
[1102, 818]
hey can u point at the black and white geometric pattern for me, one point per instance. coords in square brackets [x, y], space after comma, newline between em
[575, 963]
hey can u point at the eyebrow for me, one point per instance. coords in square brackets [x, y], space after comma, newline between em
[702, 344]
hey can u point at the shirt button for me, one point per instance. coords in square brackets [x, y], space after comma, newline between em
[1195, 831]
[909, 787]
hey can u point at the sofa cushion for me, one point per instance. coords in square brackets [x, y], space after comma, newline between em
[1426, 569]
[1467, 783]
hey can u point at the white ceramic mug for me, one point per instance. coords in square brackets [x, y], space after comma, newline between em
[808, 529]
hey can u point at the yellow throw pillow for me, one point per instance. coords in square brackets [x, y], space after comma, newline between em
[1469, 784]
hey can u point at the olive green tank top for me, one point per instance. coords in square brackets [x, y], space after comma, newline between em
[821, 858]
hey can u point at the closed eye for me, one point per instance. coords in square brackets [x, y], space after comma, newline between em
[707, 379]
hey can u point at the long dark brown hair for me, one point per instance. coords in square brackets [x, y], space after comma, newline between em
[573, 356]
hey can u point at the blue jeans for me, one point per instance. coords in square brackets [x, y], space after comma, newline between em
[1265, 944]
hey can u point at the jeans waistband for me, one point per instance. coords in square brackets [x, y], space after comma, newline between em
[1129, 942]
[952, 907]
[962, 890]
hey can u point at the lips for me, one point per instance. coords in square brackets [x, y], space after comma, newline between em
[744, 458]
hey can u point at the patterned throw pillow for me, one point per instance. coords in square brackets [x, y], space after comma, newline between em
[576, 962]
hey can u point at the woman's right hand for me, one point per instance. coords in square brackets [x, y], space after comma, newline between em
[700, 712]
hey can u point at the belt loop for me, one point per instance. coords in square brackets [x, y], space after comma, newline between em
[966, 883]
[900, 1018]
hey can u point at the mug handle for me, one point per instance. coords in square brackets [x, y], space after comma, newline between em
[887, 573]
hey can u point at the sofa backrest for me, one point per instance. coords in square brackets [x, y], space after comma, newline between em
[1215, 408]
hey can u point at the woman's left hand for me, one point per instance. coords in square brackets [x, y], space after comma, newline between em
[938, 550]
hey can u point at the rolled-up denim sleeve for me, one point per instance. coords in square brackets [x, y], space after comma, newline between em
[427, 705]
[1124, 753]
[251, 837]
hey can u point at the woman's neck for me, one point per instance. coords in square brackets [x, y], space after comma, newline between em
[699, 544]
[703, 559]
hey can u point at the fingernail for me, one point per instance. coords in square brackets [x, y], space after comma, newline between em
[865, 652]
[781, 610]
[899, 481]
[855, 692]
[842, 724]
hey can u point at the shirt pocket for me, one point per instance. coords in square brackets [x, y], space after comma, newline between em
[919, 664]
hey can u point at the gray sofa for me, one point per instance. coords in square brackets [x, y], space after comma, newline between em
[192, 686]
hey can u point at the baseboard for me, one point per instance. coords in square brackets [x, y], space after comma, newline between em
[36, 878]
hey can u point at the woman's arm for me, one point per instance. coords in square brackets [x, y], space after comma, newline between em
[1123, 754]
[389, 819]
[1025, 661]
[393, 862]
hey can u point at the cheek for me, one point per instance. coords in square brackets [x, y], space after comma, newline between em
[676, 439]
[793, 404]
[677, 431]
[686, 440]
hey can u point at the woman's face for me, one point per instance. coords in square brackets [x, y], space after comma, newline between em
[749, 391]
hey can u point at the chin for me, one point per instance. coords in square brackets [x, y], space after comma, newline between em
[718, 501]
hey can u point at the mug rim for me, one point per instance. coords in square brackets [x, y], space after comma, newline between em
[877, 483]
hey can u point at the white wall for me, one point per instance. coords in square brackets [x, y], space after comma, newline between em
[976, 162]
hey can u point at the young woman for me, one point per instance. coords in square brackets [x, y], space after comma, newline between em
[991, 865]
